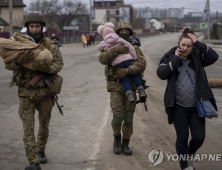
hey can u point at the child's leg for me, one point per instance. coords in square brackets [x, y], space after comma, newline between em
[127, 88]
[126, 81]
[136, 79]
[124, 64]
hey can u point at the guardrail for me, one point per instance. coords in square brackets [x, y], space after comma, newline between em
[147, 34]
[213, 41]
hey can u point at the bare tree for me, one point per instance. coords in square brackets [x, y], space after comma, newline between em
[18, 21]
[70, 10]
[61, 13]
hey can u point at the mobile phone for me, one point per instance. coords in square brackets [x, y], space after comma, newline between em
[179, 54]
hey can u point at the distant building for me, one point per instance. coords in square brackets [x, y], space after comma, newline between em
[158, 13]
[18, 14]
[195, 14]
[112, 11]
[143, 13]
[3, 25]
[175, 13]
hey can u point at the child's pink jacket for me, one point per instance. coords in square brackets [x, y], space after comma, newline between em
[113, 40]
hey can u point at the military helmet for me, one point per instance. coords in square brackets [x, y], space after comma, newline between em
[34, 17]
[122, 25]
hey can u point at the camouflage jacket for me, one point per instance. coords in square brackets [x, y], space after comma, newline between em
[112, 79]
[23, 76]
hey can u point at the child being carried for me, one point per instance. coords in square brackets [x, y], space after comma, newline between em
[111, 40]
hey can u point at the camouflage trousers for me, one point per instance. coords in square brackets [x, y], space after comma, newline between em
[27, 107]
[123, 112]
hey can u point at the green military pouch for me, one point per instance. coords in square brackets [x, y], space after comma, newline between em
[57, 81]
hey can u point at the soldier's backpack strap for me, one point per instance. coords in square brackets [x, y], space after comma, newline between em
[39, 75]
[56, 79]
[47, 43]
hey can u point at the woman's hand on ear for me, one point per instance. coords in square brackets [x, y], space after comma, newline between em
[193, 38]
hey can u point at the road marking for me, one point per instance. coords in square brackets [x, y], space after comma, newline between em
[100, 134]
[218, 67]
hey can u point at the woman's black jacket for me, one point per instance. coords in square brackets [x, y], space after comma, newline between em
[201, 56]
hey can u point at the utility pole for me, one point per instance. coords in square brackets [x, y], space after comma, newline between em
[208, 22]
[217, 15]
[10, 18]
[90, 16]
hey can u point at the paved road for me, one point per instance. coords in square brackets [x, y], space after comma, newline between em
[82, 138]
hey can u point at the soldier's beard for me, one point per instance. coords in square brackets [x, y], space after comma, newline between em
[125, 36]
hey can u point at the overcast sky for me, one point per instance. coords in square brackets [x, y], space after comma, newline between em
[215, 5]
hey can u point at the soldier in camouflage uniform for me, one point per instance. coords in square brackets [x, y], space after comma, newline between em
[122, 109]
[36, 96]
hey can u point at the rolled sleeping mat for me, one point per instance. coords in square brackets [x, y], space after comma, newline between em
[214, 83]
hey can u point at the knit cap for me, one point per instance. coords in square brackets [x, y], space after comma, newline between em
[106, 29]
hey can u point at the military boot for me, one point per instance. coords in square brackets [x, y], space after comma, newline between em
[117, 144]
[125, 147]
[33, 166]
[42, 157]
[130, 96]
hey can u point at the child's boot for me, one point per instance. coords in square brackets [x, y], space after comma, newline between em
[130, 96]
[141, 91]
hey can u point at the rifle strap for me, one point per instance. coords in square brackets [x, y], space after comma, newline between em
[35, 79]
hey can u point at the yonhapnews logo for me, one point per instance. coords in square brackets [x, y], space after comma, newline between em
[155, 157]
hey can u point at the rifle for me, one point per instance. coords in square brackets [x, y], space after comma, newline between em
[48, 81]
[143, 100]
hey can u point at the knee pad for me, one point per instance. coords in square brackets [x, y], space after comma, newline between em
[128, 119]
[117, 119]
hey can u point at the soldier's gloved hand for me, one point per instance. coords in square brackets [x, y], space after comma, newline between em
[25, 56]
[121, 49]
[41, 66]
[122, 72]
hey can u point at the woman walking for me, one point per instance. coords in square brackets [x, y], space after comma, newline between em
[88, 38]
[179, 99]
[83, 39]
